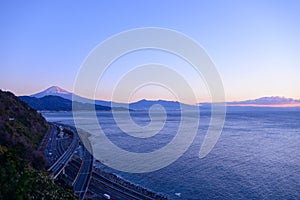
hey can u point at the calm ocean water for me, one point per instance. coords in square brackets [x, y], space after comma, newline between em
[256, 157]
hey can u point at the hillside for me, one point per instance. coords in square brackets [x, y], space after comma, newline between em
[21, 164]
[20, 124]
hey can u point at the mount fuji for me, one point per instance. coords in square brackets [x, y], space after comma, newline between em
[54, 91]
[57, 91]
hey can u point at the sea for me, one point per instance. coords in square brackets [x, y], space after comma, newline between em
[256, 157]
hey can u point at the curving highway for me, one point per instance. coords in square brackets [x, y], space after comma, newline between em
[74, 166]
[82, 179]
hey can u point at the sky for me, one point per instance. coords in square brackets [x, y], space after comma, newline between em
[254, 45]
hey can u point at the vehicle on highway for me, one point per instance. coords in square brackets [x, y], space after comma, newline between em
[106, 196]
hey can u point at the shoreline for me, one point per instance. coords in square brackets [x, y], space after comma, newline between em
[136, 189]
[120, 185]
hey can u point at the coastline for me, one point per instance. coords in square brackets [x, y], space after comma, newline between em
[104, 182]
[140, 191]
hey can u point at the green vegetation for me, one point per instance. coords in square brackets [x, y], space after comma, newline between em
[18, 181]
[21, 164]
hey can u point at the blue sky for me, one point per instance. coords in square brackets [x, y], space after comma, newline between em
[255, 45]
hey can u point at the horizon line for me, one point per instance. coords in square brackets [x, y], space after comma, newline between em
[229, 103]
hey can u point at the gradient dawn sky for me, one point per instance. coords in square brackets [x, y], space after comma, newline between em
[255, 45]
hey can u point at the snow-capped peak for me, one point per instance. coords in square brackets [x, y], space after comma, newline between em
[54, 90]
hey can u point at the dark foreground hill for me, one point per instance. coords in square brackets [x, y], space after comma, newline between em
[21, 164]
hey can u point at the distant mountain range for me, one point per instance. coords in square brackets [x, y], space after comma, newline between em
[267, 101]
[56, 98]
[57, 103]
[42, 101]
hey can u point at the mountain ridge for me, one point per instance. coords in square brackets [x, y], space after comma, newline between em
[57, 103]
[144, 104]
[272, 100]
